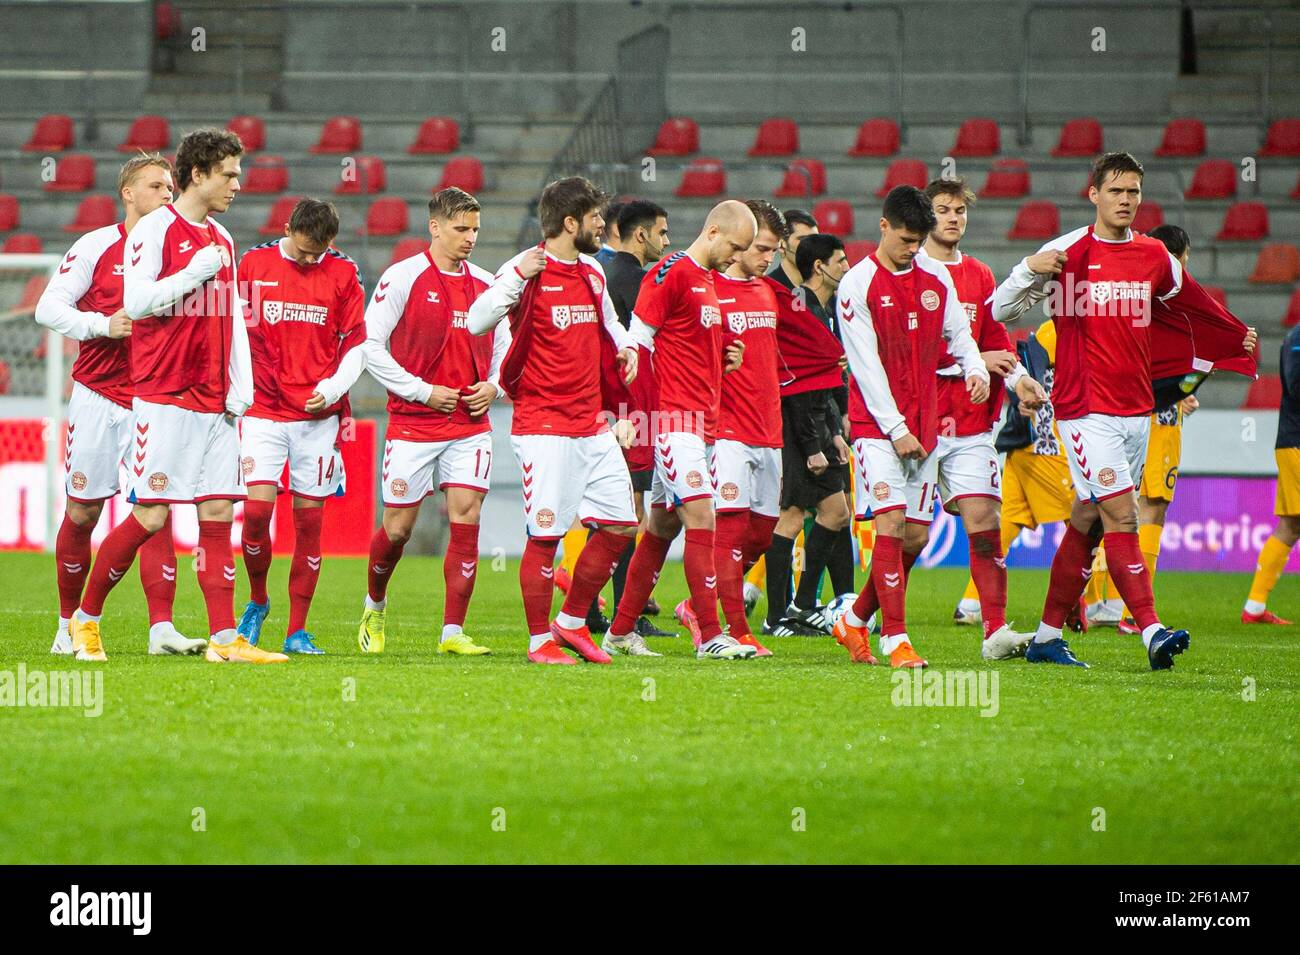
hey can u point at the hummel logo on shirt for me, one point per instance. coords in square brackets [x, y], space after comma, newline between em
[552, 288]
[185, 246]
[886, 302]
[433, 298]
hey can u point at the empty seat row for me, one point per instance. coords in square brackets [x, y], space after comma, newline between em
[339, 134]
[706, 176]
[1079, 138]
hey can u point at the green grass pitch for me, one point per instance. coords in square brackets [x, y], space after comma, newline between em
[800, 758]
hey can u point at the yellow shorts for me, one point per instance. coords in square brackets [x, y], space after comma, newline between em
[1164, 451]
[1036, 489]
[1288, 482]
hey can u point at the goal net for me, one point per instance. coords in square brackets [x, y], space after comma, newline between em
[34, 369]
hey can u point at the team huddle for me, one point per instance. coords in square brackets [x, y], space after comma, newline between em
[736, 399]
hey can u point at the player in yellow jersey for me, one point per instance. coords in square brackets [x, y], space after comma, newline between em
[1273, 556]
[1036, 486]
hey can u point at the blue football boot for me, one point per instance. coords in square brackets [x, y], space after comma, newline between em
[300, 641]
[250, 624]
[1053, 651]
[1165, 645]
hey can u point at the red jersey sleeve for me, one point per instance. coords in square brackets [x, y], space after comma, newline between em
[654, 300]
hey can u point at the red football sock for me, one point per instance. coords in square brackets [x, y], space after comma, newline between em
[988, 568]
[459, 570]
[728, 558]
[114, 560]
[1071, 568]
[158, 573]
[305, 569]
[256, 544]
[642, 575]
[890, 580]
[595, 565]
[758, 537]
[216, 572]
[702, 581]
[1128, 571]
[537, 583]
[384, 555]
[72, 563]
[867, 602]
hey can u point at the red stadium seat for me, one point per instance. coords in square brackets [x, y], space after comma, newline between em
[9, 214]
[1007, 179]
[340, 134]
[1295, 193]
[74, 173]
[22, 243]
[903, 172]
[978, 137]
[803, 177]
[1149, 216]
[386, 216]
[834, 217]
[876, 137]
[678, 136]
[1183, 137]
[1079, 138]
[368, 177]
[1265, 393]
[1217, 293]
[405, 248]
[1283, 138]
[776, 137]
[250, 130]
[437, 135]
[859, 250]
[94, 212]
[1292, 316]
[278, 217]
[1213, 179]
[267, 176]
[463, 172]
[1036, 220]
[1244, 222]
[167, 21]
[148, 134]
[1277, 263]
[51, 134]
[704, 177]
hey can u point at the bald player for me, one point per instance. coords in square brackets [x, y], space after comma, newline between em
[678, 319]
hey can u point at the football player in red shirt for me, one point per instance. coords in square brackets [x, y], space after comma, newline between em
[560, 311]
[83, 301]
[968, 463]
[748, 447]
[440, 379]
[306, 324]
[679, 319]
[1103, 281]
[192, 378]
[900, 318]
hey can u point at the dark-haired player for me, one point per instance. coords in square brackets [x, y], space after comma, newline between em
[441, 379]
[83, 301]
[306, 324]
[192, 378]
[900, 318]
[559, 309]
[1106, 285]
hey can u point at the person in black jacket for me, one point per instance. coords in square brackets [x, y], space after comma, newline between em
[814, 460]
